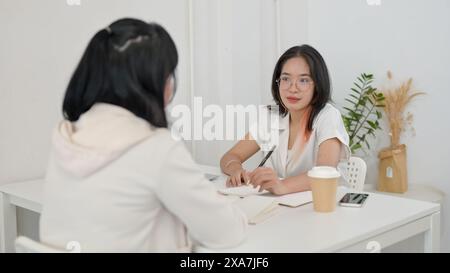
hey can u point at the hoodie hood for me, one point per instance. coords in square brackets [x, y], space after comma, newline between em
[100, 136]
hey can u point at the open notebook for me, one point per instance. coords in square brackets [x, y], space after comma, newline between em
[259, 206]
[242, 191]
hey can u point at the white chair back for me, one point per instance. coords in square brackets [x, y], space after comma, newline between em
[356, 172]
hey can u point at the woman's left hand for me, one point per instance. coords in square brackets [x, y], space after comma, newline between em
[267, 179]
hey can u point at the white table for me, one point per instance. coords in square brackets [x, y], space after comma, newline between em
[383, 221]
[27, 195]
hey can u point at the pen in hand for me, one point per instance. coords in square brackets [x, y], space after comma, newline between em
[265, 159]
[267, 156]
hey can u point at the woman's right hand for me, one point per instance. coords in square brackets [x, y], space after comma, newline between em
[237, 178]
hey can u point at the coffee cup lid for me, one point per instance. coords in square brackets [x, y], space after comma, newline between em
[324, 172]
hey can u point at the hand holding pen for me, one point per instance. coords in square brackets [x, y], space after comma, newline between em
[265, 178]
[241, 176]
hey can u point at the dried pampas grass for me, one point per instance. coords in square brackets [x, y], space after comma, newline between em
[396, 100]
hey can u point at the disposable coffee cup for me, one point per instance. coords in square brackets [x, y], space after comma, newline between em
[324, 182]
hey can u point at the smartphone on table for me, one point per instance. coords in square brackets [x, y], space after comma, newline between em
[356, 200]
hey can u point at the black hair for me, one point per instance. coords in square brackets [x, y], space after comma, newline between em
[319, 75]
[126, 64]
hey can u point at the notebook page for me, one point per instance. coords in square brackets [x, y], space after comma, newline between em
[257, 208]
[295, 199]
[242, 191]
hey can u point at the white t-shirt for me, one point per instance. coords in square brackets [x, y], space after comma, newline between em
[328, 124]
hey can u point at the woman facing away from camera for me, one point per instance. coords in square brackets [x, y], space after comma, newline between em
[116, 179]
[310, 130]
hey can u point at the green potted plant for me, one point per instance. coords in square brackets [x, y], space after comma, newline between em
[362, 115]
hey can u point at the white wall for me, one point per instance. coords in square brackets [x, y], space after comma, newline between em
[42, 42]
[234, 45]
[411, 38]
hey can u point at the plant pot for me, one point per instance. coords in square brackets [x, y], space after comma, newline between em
[392, 171]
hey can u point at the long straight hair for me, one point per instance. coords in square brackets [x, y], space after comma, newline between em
[126, 64]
